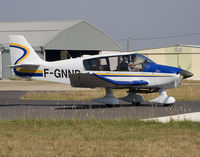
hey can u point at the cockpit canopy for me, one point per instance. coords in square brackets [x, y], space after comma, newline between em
[131, 62]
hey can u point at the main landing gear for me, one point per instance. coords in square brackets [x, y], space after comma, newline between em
[108, 99]
[135, 99]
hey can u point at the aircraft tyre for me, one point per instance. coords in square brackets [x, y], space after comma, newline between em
[168, 105]
[109, 105]
[136, 103]
[112, 105]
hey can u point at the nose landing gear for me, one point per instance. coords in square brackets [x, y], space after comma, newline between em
[163, 98]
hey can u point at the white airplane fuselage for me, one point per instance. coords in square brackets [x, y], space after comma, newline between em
[59, 71]
[125, 70]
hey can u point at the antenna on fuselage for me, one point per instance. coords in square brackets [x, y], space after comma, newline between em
[68, 54]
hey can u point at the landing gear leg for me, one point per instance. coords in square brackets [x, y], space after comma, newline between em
[108, 99]
[133, 98]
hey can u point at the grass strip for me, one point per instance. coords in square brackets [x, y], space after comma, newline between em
[101, 138]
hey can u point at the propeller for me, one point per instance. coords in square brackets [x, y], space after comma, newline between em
[186, 74]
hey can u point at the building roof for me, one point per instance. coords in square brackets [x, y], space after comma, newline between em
[65, 35]
[167, 46]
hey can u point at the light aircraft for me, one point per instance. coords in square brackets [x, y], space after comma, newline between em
[133, 71]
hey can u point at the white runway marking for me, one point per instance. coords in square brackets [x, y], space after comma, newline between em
[195, 116]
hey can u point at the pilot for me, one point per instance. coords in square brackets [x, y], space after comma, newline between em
[132, 66]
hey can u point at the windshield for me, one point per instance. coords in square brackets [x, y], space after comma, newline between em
[132, 62]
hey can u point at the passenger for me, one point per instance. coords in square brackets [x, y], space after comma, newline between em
[123, 66]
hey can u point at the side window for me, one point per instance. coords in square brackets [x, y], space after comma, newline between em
[91, 64]
[97, 64]
[104, 64]
[113, 63]
[86, 65]
[143, 61]
[133, 62]
[136, 63]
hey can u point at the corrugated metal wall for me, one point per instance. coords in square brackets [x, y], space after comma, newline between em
[6, 72]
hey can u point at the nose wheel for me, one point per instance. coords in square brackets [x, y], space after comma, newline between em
[163, 98]
[168, 105]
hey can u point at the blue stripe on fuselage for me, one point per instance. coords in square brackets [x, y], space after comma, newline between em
[22, 74]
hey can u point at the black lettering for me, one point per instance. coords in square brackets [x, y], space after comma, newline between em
[77, 71]
[61, 73]
[46, 72]
[64, 73]
[69, 72]
[57, 73]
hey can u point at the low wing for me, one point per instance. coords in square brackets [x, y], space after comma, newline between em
[94, 80]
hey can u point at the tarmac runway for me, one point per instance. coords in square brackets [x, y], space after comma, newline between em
[11, 107]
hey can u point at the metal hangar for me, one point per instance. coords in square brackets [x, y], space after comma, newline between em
[55, 40]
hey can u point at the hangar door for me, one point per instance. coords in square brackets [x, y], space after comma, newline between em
[6, 72]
